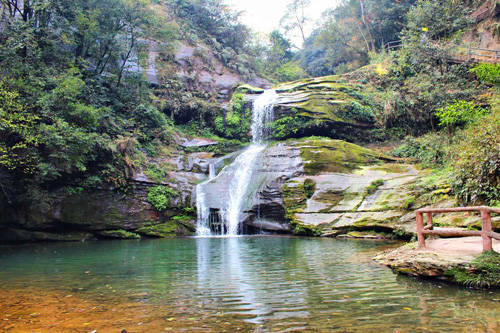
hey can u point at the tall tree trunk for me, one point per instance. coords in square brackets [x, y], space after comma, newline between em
[363, 18]
[122, 68]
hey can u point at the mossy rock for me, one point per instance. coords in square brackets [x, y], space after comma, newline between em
[326, 155]
[328, 105]
[294, 196]
[302, 229]
[174, 227]
[248, 89]
[304, 83]
[12, 235]
[119, 234]
[163, 230]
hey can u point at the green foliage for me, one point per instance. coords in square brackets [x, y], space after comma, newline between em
[431, 150]
[159, 197]
[288, 71]
[437, 18]
[286, 127]
[408, 204]
[356, 111]
[346, 38]
[485, 272]
[155, 173]
[18, 141]
[73, 114]
[278, 59]
[220, 28]
[235, 123]
[417, 85]
[372, 188]
[476, 160]
[487, 73]
[309, 187]
[458, 113]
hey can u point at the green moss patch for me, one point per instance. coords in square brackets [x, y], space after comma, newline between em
[329, 102]
[325, 155]
[163, 230]
[372, 188]
[485, 272]
[294, 196]
[248, 89]
[119, 234]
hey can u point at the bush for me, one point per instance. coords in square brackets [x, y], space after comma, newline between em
[235, 124]
[458, 113]
[356, 111]
[286, 127]
[159, 197]
[289, 71]
[487, 73]
[431, 150]
[476, 160]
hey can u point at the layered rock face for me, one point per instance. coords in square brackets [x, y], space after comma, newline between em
[124, 214]
[346, 188]
[331, 106]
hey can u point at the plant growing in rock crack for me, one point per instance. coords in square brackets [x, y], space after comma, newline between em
[372, 188]
[309, 187]
[159, 197]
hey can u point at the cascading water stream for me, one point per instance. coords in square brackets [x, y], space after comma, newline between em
[243, 167]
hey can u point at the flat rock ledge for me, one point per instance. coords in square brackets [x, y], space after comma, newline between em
[440, 256]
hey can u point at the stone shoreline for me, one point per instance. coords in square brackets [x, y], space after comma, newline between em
[439, 257]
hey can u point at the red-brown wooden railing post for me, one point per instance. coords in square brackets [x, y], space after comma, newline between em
[429, 221]
[420, 230]
[487, 228]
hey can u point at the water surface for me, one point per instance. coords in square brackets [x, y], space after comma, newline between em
[248, 284]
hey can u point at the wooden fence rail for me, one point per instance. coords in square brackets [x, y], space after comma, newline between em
[458, 53]
[486, 232]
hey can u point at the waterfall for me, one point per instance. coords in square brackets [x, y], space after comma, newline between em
[211, 171]
[203, 222]
[242, 170]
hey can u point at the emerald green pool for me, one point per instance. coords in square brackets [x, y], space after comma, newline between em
[249, 284]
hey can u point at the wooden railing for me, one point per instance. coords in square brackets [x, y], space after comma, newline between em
[458, 53]
[486, 233]
[394, 45]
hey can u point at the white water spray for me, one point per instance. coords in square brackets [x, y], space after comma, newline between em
[244, 167]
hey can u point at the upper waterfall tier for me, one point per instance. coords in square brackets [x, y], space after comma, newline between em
[262, 115]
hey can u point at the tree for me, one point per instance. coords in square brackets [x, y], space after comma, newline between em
[350, 32]
[295, 17]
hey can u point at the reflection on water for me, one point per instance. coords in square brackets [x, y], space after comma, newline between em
[251, 284]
